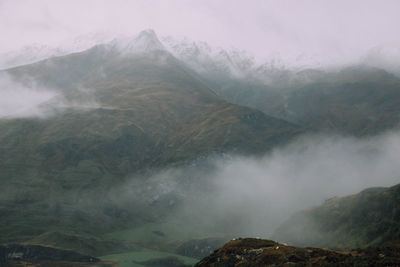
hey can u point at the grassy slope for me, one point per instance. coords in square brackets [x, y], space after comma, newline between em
[360, 107]
[259, 253]
[357, 100]
[55, 173]
[369, 218]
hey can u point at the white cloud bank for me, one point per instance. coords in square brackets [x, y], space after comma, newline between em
[28, 99]
[326, 30]
[18, 100]
[252, 196]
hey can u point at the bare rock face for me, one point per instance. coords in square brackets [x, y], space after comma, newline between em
[258, 252]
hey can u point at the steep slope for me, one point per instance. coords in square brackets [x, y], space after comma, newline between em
[150, 112]
[37, 52]
[358, 100]
[370, 218]
[154, 95]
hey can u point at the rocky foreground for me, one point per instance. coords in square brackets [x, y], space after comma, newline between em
[258, 252]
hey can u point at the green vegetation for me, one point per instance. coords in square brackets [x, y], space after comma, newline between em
[133, 259]
[77, 179]
[370, 218]
[258, 253]
[357, 100]
[157, 232]
[62, 177]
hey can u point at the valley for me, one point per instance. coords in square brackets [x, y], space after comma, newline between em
[153, 153]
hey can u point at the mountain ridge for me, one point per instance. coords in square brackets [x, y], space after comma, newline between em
[151, 112]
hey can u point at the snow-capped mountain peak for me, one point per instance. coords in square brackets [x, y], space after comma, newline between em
[145, 41]
[204, 58]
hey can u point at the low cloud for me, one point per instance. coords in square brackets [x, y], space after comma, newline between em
[251, 196]
[28, 99]
[18, 100]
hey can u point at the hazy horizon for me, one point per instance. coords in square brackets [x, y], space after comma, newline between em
[322, 31]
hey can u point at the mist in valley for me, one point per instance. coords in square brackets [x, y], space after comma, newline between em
[251, 196]
[130, 127]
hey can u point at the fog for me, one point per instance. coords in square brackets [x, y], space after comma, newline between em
[28, 99]
[324, 31]
[18, 100]
[251, 196]
[234, 193]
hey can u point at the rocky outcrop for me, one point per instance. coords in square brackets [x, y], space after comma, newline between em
[256, 252]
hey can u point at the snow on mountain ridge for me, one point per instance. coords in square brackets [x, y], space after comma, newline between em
[37, 52]
[145, 41]
[202, 57]
[198, 55]
[29, 54]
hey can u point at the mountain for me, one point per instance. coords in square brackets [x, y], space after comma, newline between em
[357, 100]
[145, 41]
[37, 52]
[74, 173]
[369, 218]
[150, 111]
[208, 60]
[28, 55]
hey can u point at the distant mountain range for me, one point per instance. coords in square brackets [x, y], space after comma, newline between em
[359, 99]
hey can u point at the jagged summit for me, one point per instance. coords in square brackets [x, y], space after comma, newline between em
[145, 41]
[207, 59]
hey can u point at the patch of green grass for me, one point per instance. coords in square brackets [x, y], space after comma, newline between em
[157, 232]
[130, 259]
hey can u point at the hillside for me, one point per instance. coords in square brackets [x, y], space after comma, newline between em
[357, 100]
[369, 218]
[146, 111]
[257, 252]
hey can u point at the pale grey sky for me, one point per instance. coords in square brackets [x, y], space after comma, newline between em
[337, 27]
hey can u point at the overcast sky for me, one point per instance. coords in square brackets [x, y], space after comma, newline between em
[337, 27]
